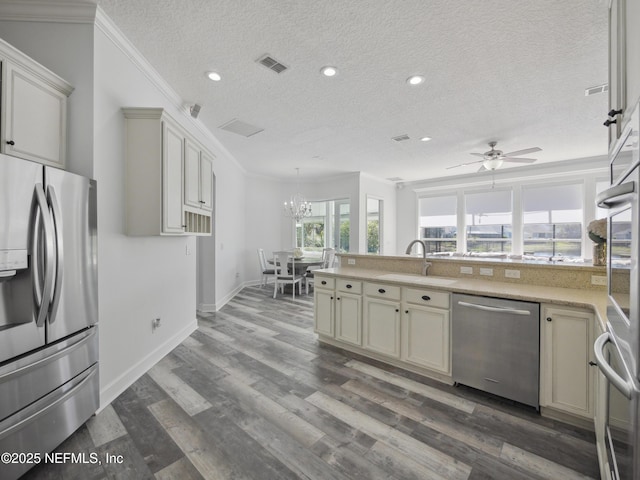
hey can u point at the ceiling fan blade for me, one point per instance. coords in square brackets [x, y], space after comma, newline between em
[522, 152]
[478, 154]
[519, 160]
[482, 169]
[464, 164]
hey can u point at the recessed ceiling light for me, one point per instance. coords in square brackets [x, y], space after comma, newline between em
[214, 76]
[415, 80]
[329, 71]
[425, 139]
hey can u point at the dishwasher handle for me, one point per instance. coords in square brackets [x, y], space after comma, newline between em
[487, 308]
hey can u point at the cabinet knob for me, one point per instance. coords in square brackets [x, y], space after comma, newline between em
[426, 298]
[613, 112]
[406, 311]
[338, 298]
[324, 282]
[349, 285]
[609, 122]
[201, 201]
[381, 290]
[397, 309]
[549, 319]
[331, 298]
[10, 142]
[592, 363]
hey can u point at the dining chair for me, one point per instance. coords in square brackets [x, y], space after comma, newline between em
[266, 270]
[328, 258]
[283, 277]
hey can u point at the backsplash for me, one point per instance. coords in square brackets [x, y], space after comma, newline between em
[566, 275]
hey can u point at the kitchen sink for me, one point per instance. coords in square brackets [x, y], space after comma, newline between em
[422, 280]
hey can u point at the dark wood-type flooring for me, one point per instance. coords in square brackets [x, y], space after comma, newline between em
[252, 395]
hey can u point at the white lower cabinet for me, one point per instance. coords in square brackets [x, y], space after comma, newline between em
[381, 319]
[425, 337]
[568, 378]
[348, 325]
[323, 306]
[382, 327]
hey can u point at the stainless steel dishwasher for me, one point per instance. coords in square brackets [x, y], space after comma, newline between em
[496, 346]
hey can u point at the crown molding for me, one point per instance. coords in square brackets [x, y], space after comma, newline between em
[50, 12]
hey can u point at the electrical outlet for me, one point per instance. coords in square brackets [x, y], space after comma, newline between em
[155, 323]
[598, 280]
[487, 272]
[466, 270]
[512, 273]
[351, 261]
[187, 250]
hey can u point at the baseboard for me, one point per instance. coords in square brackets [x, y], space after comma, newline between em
[214, 307]
[109, 393]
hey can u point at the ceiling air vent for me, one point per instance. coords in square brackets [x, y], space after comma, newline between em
[272, 64]
[595, 90]
[241, 128]
[400, 138]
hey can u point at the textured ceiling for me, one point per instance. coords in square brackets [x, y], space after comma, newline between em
[514, 71]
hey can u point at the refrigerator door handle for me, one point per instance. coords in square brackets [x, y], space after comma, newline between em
[43, 297]
[59, 251]
[620, 383]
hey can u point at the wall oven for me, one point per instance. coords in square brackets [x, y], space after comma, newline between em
[618, 349]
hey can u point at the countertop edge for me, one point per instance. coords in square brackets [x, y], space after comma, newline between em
[570, 297]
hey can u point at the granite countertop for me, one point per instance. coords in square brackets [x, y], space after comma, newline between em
[588, 299]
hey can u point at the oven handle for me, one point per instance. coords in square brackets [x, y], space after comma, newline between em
[614, 196]
[620, 383]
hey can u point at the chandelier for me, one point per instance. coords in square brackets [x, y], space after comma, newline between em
[297, 208]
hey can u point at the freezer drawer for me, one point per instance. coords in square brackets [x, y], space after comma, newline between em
[496, 346]
[29, 378]
[41, 427]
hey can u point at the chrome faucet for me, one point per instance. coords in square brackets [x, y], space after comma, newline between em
[425, 264]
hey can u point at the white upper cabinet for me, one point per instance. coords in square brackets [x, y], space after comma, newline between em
[198, 181]
[33, 109]
[624, 64]
[164, 177]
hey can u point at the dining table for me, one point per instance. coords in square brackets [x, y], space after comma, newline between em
[302, 263]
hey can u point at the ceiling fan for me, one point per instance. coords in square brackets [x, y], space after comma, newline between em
[493, 159]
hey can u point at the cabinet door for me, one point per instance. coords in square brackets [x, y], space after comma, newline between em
[323, 312]
[617, 81]
[425, 337]
[172, 168]
[35, 118]
[349, 318]
[382, 326]
[568, 346]
[191, 175]
[206, 182]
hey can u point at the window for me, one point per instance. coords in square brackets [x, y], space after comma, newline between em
[327, 226]
[552, 220]
[374, 225]
[438, 223]
[342, 222]
[488, 221]
[310, 231]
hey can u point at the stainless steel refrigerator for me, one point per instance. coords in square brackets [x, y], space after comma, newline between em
[48, 309]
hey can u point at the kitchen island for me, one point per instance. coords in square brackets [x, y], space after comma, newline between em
[404, 320]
